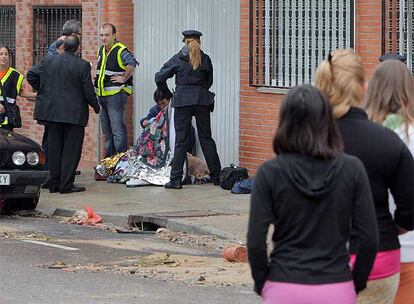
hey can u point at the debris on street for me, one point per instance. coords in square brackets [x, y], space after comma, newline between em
[184, 269]
[85, 216]
[132, 230]
[188, 239]
[235, 254]
[17, 235]
[56, 265]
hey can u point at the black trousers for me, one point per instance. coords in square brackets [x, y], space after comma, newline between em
[65, 149]
[45, 146]
[7, 127]
[182, 124]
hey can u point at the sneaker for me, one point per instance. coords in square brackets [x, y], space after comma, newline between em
[173, 184]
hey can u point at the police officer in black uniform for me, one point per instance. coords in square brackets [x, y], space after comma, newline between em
[193, 73]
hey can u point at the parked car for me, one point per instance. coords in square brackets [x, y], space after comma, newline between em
[21, 171]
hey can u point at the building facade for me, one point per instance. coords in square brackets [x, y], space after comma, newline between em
[28, 27]
[282, 42]
[259, 49]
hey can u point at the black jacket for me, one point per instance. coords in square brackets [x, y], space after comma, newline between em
[192, 87]
[65, 89]
[389, 165]
[311, 203]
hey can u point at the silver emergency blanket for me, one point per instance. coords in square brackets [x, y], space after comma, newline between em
[138, 162]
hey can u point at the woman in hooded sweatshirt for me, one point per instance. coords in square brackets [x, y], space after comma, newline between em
[386, 158]
[390, 102]
[310, 192]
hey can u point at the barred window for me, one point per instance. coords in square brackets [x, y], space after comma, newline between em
[8, 29]
[288, 38]
[47, 27]
[398, 24]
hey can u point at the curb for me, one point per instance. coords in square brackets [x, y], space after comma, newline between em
[121, 220]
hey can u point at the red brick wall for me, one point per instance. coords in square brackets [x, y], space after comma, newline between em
[368, 32]
[259, 112]
[118, 12]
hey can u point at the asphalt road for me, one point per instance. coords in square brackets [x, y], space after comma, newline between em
[26, 262]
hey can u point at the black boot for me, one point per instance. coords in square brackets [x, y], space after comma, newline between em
[215, 180]
[173, 184]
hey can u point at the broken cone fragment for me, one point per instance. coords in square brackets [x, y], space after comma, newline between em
[235, 254]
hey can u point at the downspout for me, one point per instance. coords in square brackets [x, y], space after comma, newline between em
[98, 138]
[134, 106]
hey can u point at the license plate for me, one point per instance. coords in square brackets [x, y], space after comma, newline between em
[4, 179]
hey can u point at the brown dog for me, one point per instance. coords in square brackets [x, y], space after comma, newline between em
[197, 166]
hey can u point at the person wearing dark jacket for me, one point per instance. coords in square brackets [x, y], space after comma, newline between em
[70, 27]
[161, 101]
[65, 90]
[11, 86]
[193, 73]
[388, 162]
[313, 194]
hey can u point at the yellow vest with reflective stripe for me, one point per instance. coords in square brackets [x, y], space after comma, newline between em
[109, 65]
[11, 84]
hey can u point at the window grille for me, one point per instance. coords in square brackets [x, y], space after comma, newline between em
[47, 27]
[398, 24]
[288, 38]
[8, 29]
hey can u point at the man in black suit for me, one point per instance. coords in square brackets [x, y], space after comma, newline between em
[65, 90]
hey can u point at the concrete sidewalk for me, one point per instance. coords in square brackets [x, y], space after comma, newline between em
[196, 208]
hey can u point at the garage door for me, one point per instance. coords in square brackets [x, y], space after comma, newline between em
[158, 27]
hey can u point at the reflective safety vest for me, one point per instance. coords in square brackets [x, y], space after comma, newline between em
[109, 65]
[11, 84]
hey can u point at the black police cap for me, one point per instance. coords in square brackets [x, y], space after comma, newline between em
[192, 34]
[392, 56]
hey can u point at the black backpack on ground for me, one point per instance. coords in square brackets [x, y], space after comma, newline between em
[230, 175]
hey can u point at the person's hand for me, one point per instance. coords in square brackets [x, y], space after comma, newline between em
[118, 79]
[97, 109]
[2, 109]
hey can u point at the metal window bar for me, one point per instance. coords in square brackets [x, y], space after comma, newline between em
[398, 24]
[8, 29]
[288, 38]
[47, 27]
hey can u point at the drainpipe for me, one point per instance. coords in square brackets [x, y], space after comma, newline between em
[98, 139]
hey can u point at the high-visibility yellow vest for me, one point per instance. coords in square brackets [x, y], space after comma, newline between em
[109, 65]
[11, 84]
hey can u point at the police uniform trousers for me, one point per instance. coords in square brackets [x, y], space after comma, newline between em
[65, 149]
[182, 124]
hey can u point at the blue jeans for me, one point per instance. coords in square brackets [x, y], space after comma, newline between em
[113, 123]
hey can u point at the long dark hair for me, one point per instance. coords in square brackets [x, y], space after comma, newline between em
[9, 53]
[307, 125]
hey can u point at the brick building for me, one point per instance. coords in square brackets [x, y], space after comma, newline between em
[267, 68]
[279, 44]
[38, 23]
